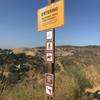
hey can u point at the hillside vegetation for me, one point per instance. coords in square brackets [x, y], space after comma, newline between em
[22, 73]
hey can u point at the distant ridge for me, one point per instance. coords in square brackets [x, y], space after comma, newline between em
[77, 46]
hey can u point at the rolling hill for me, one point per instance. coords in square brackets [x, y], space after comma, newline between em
[23, 70]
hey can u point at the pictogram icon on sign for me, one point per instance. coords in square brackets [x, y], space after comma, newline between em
[49, 90]
[49, 79]
[49, 35]
[49, 57]
[49, 45]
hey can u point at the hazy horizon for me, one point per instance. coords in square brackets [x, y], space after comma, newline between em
[55, 46]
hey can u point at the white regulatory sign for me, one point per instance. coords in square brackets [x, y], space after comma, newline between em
[49, 57]
[49, 45]
[49, 35]
[49, 90]
[49, 79]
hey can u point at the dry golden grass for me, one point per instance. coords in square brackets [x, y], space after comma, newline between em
[92, 75]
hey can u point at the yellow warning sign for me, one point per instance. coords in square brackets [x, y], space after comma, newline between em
[51, 16]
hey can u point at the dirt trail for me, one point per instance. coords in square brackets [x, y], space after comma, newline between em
[61, 66]
[93, 90]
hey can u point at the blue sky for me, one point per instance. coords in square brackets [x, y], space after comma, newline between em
[18, 23]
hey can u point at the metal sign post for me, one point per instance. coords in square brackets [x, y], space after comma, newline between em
[53, 64]
[49, 18]
[52, 38]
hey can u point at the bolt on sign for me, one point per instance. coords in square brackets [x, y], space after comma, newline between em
[51, 16]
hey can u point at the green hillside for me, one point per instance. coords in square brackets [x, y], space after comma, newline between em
[22, 75]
